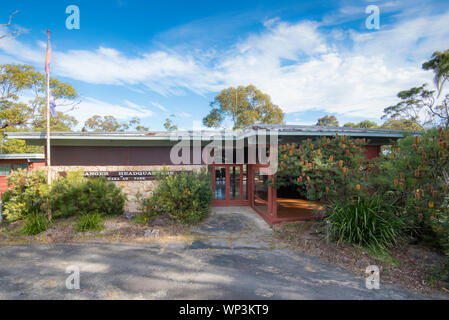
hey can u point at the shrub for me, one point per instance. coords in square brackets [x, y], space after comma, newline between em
[76, 194]
[35, 223]
[366, 221]
[184, 197]
[91, 221]
[68, 196]
[26, 194]
[416, 171]
[322, 168]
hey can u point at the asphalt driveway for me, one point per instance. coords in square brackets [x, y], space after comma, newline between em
[232, 259]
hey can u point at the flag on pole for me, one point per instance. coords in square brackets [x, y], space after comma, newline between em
[52, 109]
[48, 55]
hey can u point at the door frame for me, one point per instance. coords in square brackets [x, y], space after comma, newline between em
[270, 216]
[229, 202]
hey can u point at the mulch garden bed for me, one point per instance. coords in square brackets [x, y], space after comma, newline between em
[409, 266]
[118, 228]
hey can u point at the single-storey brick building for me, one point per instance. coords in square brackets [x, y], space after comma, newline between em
[128, 158]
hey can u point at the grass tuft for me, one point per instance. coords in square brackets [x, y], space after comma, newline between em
[90, 222]
[35, 224]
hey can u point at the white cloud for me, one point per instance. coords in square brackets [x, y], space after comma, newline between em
[354, 73]
[358, 79]
[301, 122]
[159, 106]
[137, 108]
[90, 106]
[185, 114]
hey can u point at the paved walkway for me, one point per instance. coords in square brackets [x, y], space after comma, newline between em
[232, 259]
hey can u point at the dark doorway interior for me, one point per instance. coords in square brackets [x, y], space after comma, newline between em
[292, 203]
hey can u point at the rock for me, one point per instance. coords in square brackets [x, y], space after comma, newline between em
[129, 215]
[151, 233]
[262, 292]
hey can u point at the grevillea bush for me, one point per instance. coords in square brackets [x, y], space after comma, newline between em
[323, 168]
[75, 194]
[26, 194]
[68, 196]
[416, 173]
[184, 197]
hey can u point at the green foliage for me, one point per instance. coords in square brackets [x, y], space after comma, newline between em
[244, 106]
[416, 172]
[110, 124]
[402, 124]
[169, 125]
[362, 124]
[439, 64]
[440, 225]
[184, 197]
[412, 102]
[17, 145]
[90, 222]
[68, 196]
[419, 101]
[367, 221]
[440, 272]
[26, 194]
[322, 168]
[328, 121]
[35, 223]
[15, 80]
[407, 187]
[75, 194]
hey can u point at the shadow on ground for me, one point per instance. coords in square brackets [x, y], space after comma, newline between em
[232, 258]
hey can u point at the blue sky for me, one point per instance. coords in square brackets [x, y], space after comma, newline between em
[151, 59]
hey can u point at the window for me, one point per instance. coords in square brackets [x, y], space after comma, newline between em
[260, 191]
[5, 169]
[16, 166]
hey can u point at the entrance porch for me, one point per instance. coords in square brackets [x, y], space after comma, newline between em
[244, 185]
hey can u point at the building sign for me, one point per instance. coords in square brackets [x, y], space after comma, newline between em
[128, 175]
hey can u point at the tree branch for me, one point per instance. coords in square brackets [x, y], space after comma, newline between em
[13, 34]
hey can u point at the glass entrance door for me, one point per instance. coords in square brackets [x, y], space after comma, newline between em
[220, 183]
[230, 183]
[234, 183]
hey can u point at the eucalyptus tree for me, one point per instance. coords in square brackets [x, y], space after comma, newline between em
[243, 106]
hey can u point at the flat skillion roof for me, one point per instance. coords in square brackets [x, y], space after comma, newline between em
[160, 138]
[19, 156]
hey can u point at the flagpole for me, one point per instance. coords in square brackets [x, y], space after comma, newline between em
[48, 121]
